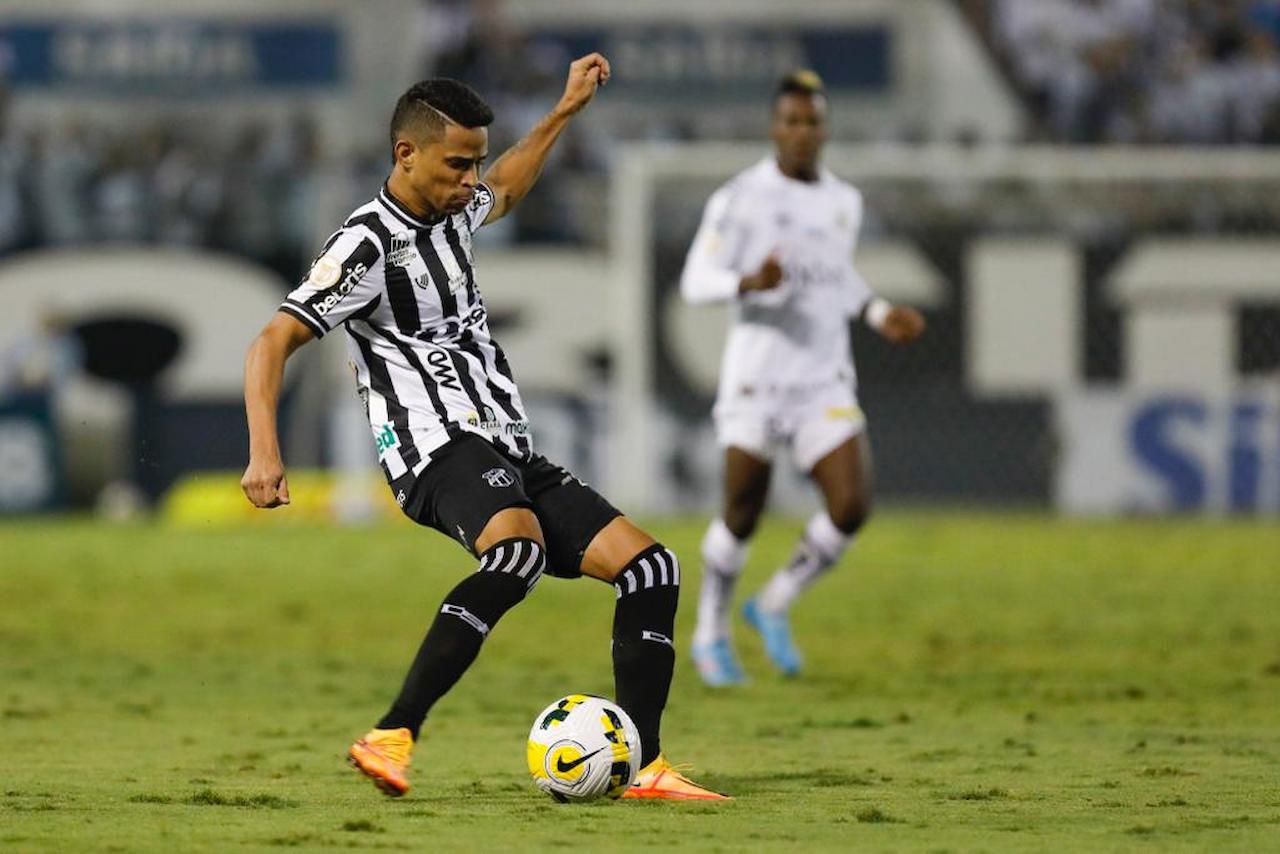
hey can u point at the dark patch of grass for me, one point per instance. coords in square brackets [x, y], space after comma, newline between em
[940, 755]
[1174, 802]
[1165, 771]
[817, 777]
[17, 714]
[292, 840]
[361, 825]
[981, 794]
[212, 798]
[150, 798]
[875, 815]
[1141, 830]
[852, 723]
[135, 709]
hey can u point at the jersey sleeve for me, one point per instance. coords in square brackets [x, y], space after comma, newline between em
[479, 206]
[346, 278]
[859, 292]
[711, 269]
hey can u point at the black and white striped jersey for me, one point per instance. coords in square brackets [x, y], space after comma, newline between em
[426, 367]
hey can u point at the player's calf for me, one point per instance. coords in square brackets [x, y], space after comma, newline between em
[723, 555]
[508, 571]
[648, 591]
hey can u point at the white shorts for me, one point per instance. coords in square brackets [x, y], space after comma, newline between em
[814, 422]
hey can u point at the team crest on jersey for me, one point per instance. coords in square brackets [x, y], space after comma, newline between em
[401, 254]
[498, 478]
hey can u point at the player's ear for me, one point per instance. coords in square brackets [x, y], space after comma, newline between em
[406, 152]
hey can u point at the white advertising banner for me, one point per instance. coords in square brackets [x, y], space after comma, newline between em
[1125, 451]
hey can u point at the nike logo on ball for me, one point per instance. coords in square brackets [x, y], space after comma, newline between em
[565, 767]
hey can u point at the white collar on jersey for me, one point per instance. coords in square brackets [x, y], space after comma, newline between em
[824, 174]
[402, 213]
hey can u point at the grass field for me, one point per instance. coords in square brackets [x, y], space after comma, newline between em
[975, 682]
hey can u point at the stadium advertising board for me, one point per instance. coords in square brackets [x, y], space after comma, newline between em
[733, 63]
[28, 455]
[1126, 451]
[188, 56]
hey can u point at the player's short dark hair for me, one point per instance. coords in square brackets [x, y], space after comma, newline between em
[422, 106]
[802, 81]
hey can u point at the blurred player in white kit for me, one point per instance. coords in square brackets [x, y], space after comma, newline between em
[778, 240]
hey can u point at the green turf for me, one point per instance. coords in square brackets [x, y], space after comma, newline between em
[974, 682]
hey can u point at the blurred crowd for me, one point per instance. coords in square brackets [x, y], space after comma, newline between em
[1091, 71]
[252, 190]
[162, 182]
[1143, 71]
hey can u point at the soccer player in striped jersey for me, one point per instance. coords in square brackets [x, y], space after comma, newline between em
[449, 425]
[778, 241]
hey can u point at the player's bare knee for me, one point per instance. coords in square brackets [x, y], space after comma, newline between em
[507, 523]
[849, 513]
[741, 515]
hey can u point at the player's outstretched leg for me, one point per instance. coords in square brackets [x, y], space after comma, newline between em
[819, 549]
[508, 570]
[646, 582]
[723, 556]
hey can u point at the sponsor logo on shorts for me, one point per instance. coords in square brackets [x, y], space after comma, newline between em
[843, 413]
[498, 478]
[400, 498]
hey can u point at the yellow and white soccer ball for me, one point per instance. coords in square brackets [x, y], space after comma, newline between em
[583, 747]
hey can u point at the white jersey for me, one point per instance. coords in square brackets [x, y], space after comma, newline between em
[796, 336]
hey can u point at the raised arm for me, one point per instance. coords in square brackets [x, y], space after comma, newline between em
[514, 173]
[264, 482]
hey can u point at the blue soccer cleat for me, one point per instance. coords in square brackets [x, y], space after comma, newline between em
[775, 631]
[718, 664]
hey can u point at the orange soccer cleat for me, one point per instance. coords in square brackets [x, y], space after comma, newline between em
[383, 756]
[659, 780]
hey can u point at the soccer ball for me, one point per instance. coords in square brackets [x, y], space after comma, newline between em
[583, 747]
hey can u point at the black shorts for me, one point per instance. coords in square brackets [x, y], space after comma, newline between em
[469, 480]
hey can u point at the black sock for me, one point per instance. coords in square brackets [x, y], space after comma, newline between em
[508, 570]
[644, 653]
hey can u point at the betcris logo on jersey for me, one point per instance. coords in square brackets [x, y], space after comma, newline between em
[336, 294]
[1134, 452]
